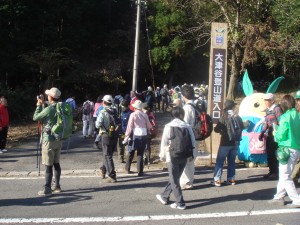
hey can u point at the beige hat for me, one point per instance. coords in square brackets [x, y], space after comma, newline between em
[53, 92]
[268, 96]
[137, 104]
[108, 98]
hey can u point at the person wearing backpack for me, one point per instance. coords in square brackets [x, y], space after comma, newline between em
[97, 108]
[176, 148]
[108, 130]
[138, 129]
[229, 143]
[72, 102]
[125, 114]
[157, 99]
[51, 147]
[146, 109]
[273, 113]
[187, 177]
[164, 92]
[150, 98]
[287, 136]
[87, 118]
[176, 94]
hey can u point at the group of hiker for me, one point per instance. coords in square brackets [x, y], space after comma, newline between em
[128, 124]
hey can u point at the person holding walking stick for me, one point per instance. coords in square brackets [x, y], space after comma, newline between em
[51, 147]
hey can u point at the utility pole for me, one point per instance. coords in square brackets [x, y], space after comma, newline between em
[136, 48]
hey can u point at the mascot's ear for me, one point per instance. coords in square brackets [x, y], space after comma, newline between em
[247, 85]
[274, 85]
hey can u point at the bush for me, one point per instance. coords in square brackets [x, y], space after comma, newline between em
[21, 103]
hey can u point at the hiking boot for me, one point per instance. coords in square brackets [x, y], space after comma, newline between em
[110, 180]
[45, 192]
[230, 182]
[267, 175]
[175, 206]
[273, 176]
[216, 183]
[56, 189]
[278, 202]
[159, 198]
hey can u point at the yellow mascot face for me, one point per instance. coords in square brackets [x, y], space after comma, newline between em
[253, 106]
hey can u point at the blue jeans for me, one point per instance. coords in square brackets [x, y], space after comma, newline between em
[230, 152]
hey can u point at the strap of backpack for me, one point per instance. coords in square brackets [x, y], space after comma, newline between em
[103, 124]
[196, 110]
[109, 120]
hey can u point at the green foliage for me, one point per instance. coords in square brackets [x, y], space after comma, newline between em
[287, 14]
[166, 24]
[21, 102]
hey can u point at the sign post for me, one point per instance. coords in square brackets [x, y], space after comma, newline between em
[217, 77]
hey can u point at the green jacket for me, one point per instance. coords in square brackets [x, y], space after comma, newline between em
[48, 118]
[288, 132]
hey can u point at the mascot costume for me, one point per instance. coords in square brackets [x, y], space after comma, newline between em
[252, 110]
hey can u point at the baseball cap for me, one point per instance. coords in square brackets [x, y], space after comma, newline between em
[108, 98]
[137, 104]
[53, 92]
[268, 96]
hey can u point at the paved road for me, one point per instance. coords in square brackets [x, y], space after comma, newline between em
[86, 199]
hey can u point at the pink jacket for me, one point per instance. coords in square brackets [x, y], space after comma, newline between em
[138, 124]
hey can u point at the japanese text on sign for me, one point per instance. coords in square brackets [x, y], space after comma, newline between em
[218, 82]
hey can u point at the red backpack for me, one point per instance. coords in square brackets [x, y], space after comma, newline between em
[153, 130]
[203, 125]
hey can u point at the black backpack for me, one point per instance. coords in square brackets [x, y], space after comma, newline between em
[114, 123]
[87, 108]
[181, 143]
[235, 128]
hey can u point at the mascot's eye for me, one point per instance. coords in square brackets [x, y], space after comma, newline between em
[256, 105]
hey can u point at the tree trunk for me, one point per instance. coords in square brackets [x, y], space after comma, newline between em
[231, 94]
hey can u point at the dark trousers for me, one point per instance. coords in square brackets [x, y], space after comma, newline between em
[121, 147]
[175, 169]
[108, 146]
[139, 144]
[157, 105]
[164, 104]
[148, 150]
[3, 137]
[271, 147]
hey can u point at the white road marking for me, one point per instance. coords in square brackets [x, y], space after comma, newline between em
[145, 218]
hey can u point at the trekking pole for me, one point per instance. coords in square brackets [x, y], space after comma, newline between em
[38, 145]
[39, 149]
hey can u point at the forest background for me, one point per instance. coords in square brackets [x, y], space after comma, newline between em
[87, 47]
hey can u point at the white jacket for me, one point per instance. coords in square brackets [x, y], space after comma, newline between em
[165, 140]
